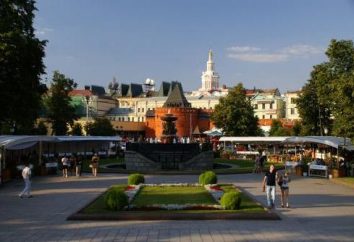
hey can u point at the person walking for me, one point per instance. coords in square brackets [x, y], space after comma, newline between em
[283, 182]
[257, 166]
[26, 175]
[78, 163]
[269, 183]
[94, 163]
[65, 163]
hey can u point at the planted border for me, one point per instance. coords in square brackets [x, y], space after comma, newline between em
[250, 209]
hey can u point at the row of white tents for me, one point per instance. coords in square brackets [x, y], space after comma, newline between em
[46, 145]
[332, 141]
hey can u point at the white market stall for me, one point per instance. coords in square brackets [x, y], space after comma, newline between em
[47, 146]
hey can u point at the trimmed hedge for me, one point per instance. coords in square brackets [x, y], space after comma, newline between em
[135, 179]
[231, 201]
[208, 177]
[115, 199]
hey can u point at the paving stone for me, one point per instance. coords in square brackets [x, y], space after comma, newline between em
[320, 211]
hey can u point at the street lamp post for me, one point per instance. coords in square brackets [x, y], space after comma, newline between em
[87, 101]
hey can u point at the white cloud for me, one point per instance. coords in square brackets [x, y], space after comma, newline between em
[254, 57]
[43, 31]
[243, 49]
[302, 50]
[255, 54]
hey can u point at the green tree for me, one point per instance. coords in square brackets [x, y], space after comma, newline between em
[235, 115]
[296, 130]
[76, 129]
[277, 129]
[21, 65]
[59, 109]
[41, 129]
[100, 127]
[327, 98]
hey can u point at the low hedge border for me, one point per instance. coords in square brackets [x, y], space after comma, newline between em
[175, 215]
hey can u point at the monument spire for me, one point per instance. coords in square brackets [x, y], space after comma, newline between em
[210, 63]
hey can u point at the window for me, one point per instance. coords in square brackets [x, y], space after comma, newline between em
[292, 111]
[263, 105]
[138, 110]
[256, 106]
[293, 100]
[270, 116]
[132, 119]
[263, 116]
[138, 119]
[128, 119]
[142, 109]
[271, 106]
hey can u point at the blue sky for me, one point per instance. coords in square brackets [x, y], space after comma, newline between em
[261, 43]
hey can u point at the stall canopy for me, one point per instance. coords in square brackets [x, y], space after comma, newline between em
[332, 141]
[214, 132]
[17, 142]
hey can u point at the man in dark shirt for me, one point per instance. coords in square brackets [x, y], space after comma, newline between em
[269, 182]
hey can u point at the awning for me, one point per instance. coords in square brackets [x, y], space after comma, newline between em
[18, 142]
[332, 141]
[214, 132]
[254, 139]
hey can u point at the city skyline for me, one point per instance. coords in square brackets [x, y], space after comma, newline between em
[263, 44]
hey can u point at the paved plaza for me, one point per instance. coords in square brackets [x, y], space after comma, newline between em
[320, 211]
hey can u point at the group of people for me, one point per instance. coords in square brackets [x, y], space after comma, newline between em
[271, 179]
[72, 162]
[76, 162]
[259, 163]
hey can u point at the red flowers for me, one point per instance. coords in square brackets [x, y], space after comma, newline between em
[129, 187]
[216, 187]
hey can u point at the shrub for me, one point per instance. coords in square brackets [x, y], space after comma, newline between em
[208, 177]
[231, 201]
[135, 179]
[116, 199]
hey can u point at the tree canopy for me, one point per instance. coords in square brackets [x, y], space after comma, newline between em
[327, 99]
[277, 129]
[235, 114]
[100, 127]
[21, 65]
[60, 112]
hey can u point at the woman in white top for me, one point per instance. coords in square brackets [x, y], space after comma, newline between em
[26, 174]
[65, 162]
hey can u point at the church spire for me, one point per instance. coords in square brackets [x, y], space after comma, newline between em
[210, 56]
[210, 63]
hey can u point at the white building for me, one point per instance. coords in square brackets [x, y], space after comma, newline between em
[268, 104]
[291, 111]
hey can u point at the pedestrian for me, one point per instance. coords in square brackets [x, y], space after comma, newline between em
[94, 164]
[65, 163]
[26, 175]
[78, 164]
[257, 164]
[269, 183]
[283, 182]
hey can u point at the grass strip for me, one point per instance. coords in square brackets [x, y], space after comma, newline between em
[173, 195]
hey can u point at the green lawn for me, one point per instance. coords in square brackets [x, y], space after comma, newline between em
[98, 205]
[105, 161]
[244, 166]
[173, 195]
[346, 180]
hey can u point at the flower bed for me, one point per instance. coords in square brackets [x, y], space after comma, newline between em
[206, 208]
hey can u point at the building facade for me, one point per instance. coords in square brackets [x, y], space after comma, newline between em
[291, 111]
[268, 104]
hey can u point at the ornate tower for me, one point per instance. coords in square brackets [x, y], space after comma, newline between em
[210, 78]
